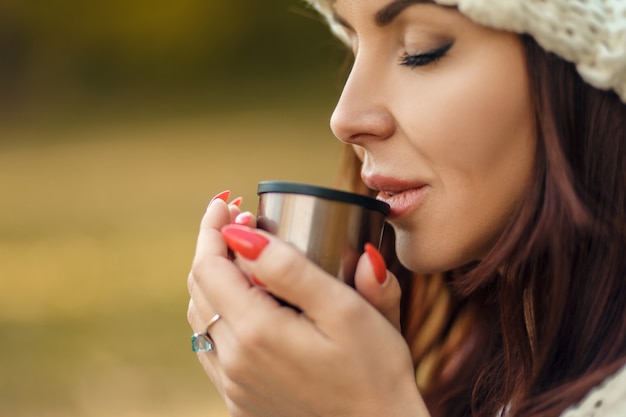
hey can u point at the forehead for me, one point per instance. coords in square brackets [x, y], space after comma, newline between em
[328, 4]
[387, 10]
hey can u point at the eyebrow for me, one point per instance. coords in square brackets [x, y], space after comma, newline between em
[387, 14]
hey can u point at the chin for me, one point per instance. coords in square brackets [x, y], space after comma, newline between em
[416, 257]
[430, 258]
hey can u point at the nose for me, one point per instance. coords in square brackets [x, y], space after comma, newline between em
[362, 113]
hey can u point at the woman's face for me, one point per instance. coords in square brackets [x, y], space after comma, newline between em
[438, 109]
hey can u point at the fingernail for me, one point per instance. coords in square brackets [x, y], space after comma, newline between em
[221, 196]
[243, 218]
[378, 263]
[257, 281]
[244, 241]
[237, 201]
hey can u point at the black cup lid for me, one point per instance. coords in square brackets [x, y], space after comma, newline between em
[283, 187]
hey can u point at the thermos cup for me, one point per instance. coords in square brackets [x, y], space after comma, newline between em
[330, 227]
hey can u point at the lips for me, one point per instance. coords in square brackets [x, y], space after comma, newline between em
[402, 196]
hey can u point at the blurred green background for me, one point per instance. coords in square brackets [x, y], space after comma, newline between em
[119, 120]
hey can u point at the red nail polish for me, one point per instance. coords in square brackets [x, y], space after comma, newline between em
[222, 196]
[244, 241]
[378, 263]
[237, 201]
[257, 281]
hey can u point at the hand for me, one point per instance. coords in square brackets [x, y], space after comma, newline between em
[339, 357]
[372, 279]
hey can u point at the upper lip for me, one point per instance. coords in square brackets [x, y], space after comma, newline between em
[390, 184]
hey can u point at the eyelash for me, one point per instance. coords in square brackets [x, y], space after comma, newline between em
[420, 60]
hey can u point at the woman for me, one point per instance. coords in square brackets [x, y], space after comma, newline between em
[502, 163]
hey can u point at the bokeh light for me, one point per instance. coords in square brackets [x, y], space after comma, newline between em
[119, 120]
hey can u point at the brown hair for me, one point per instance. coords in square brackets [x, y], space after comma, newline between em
[542, 318]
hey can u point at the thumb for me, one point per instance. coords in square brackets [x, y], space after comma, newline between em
[377, 285]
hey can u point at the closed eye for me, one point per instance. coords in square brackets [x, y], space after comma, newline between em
[419, 60]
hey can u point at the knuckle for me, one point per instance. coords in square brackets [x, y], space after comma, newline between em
[251, 338]
[190, 282]
[191, 313]
[350, 309]
[200, 268]
[234, 391]
[288, 266]
[237, 375]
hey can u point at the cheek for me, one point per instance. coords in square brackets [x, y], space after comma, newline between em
[478, 138]
[481, 112]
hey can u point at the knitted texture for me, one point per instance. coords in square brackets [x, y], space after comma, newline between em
[606, 400]
[589, 33]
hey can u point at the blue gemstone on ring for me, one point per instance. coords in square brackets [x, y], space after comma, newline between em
[200, 343]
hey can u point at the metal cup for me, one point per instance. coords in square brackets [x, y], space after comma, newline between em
[330, 226]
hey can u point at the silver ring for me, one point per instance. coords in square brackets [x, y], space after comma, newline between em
[213, 320]
[203, 342]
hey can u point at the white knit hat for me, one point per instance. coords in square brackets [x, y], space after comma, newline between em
[589, 33]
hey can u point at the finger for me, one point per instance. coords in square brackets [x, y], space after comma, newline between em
[222, 283]
[211, 251]
[214, 279]
[237, 201]
[245, 219]
[234, 208]
[215, 216]
[209, 360]
[202, 318]
[199, 312]
[378, 286]
[289, 275]
[210, 242]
